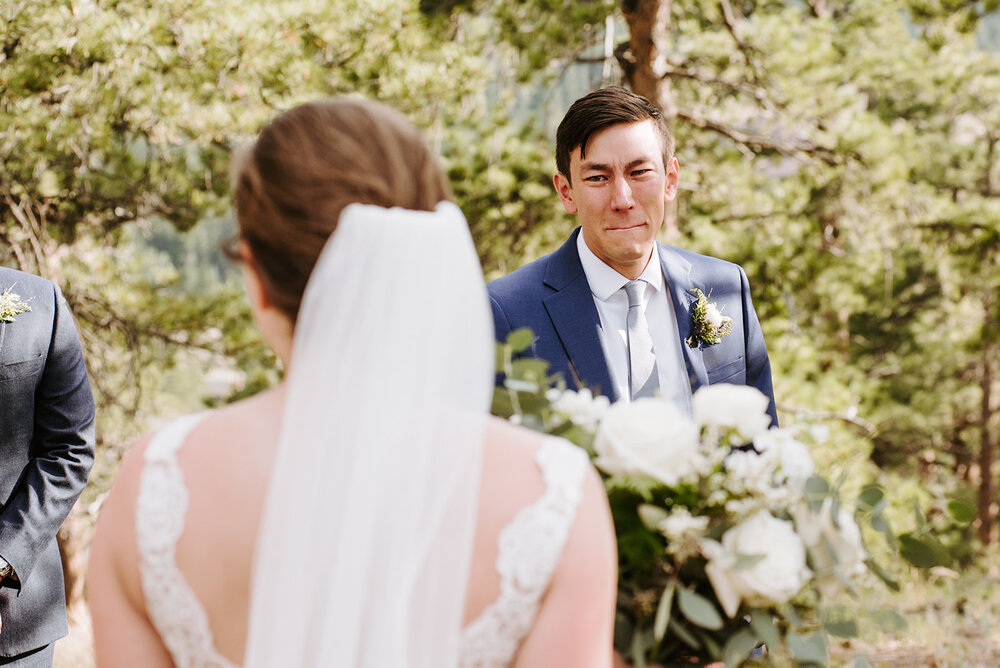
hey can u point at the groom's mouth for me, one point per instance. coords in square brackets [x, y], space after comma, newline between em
[626, 228]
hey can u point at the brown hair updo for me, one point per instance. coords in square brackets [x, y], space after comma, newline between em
[311, 162]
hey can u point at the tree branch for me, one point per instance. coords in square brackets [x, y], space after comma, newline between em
[748, 50]
[678, 71]
[866, 427]
[760, 144]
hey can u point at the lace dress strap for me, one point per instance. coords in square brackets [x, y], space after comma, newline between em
[161, 507]
[529, 551]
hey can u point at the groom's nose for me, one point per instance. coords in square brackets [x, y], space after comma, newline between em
[621, 195]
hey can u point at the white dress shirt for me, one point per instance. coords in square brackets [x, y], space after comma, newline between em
[608, 289]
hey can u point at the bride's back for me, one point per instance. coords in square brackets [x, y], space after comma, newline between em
[225, 463]
[291, 190]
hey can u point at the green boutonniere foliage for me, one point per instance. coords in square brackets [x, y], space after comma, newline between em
[11, 305]
[709, 325]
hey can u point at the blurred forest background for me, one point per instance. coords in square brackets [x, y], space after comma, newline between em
[845, 152]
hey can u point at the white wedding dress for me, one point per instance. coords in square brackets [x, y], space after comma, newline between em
[387, 396]
[529, 550]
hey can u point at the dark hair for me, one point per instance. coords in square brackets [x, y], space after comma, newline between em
[601, 109]
[311, 162]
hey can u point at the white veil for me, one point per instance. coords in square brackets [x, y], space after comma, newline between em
[364, 548]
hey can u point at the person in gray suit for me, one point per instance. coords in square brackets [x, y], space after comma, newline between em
[47, 446]
[612, 309]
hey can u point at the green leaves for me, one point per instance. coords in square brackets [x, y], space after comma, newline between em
[698, 610]
[923, 551]
[962, 511]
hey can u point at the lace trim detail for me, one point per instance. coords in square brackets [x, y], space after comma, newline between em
[529, 551]
[161, 507]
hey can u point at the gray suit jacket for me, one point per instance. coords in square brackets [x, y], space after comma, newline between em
[46, 451]
[552, 296]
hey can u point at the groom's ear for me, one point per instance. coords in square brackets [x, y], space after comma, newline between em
[565, 190]
[672, 180]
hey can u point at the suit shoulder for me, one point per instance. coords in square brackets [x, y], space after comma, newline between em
[699, 260]
[518, 280]
[23, 282]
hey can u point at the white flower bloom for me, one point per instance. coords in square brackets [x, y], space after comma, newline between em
[713, 316]
[773, 580]
[749, 472]
[683, 532]
[650, 437]
[681, 523]
[582, 408]
[740, 407]
[791, 459]
[822, 537]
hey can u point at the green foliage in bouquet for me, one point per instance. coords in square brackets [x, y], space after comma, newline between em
[728, 539]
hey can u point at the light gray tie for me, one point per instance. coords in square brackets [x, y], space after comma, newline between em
[643, 380]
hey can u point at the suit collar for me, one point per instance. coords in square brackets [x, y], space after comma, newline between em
[677, 271]
[574, 317]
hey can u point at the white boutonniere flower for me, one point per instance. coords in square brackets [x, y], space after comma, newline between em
[709, 325]
[11, 305]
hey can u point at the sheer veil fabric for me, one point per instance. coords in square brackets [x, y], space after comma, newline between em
[365, 542]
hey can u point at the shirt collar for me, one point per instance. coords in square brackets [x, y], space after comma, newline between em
[605, 281]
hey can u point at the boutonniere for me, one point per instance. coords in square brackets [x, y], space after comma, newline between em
[11, 305]
[709, 325]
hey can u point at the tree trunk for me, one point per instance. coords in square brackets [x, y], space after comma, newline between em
[987, 446]
[644, 64]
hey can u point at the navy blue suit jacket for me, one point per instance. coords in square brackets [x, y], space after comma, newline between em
[552, 296]
[46, 451]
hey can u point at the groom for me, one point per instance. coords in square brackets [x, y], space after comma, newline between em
[46, 451]
[612, 309]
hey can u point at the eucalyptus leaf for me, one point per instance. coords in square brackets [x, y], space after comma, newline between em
[698, 610]
[861, 661]
[762, 623]
[881, 524]
[916, 551]
[530, 369]
[683, 633]
[889, 620]
[520, 339]
[808, 649]
[890, 581]
[962, 511]
[663, 611]
[738, 647]
[870, 496]
[923, 551]
[842, 629]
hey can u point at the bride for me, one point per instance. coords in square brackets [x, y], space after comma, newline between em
[366, 511]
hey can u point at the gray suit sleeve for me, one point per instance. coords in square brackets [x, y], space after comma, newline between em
[758, 363]
[62, 449]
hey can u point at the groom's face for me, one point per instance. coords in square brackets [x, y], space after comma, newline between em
[619, 189]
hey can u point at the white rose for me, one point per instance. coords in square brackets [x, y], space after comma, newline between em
[821, 536]
[581, 408]
[740, 407]
[713, 316]
[793, 463]
[748, 472]
[773, 580]
[649, 437]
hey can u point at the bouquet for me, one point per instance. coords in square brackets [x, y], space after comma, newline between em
[728, 540]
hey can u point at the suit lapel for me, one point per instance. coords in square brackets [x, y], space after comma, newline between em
[574, 316]
[677, 271]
